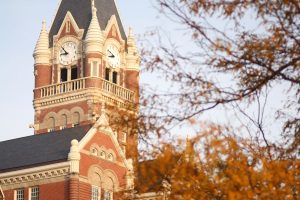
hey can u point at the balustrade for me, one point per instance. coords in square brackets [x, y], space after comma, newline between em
[80, 84]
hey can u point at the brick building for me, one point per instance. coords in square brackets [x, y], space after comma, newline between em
[86, 78]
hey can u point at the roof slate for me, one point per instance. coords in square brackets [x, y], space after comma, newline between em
[81, 11]
[38, 149]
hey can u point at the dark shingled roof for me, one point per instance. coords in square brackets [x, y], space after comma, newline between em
[81, 11]
[38, 149]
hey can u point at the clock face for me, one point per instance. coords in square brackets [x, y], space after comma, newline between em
[113, 56]
[68, 53]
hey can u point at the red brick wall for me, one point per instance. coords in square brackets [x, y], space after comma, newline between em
[87, 161]
[85, 191]
[42, 75]
[57, 191]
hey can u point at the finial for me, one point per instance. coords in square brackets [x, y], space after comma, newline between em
[44, 25]
[94, 9]
[130, 32]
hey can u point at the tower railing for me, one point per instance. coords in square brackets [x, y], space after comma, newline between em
[81, 84]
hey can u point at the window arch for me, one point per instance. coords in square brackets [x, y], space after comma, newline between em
[94, 151]
[64, 121]
[76, 118]
[110, 157]
[102, 154]
[51, 123]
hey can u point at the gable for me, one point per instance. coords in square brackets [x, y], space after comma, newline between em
[68, 27]
[102, 142]
[81, 11]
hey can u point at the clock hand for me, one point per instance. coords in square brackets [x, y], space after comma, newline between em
[66, 53]
[112, 55]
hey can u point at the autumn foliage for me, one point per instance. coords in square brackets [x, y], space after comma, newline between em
[239, 52]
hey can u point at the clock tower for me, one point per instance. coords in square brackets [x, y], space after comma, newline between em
[84, 66]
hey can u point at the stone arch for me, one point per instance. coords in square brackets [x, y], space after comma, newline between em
[94, 150]
[113, 154]
[95, 175]
[49, 121]
[64, 117]
[102, 152]
[63, 120]
[111, 181]
[77, 115]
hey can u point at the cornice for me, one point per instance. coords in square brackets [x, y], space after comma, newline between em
[34, 174]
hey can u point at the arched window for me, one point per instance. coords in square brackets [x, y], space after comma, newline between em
[51, 123]
[94, 152]
[64, 121]
[108, 195]
[110, 157]
[76, 118]
[102, 154]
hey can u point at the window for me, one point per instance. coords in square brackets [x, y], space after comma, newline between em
[64, 121]
[63, 75]
[51, 124]
[94, 152]
[95, 193]
[35, 191]
[110, 157]
[108, 195]
[107, 74]
[115, 77]
[76, 118]
[102, 154]
[20, 194]
[74, 73]
[94, 69]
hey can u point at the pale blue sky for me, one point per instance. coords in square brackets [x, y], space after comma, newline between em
[20, 23]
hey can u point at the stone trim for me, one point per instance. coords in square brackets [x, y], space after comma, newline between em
[73, 97]
[2, 197]
[111, 22]
[102, 125]
[32, 175]
[70, 17]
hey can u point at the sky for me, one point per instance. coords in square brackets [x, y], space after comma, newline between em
[21, 23]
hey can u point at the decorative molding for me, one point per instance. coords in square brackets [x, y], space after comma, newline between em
[69, 17]
[41, 52]
[94, 38]
[106, 179]
[34, 174]
[95, 94]
[2, 197]
[74, 157]
[102, 125]
[111, 22]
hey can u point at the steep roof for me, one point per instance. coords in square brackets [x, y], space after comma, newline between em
[38, 149]
[82, 13]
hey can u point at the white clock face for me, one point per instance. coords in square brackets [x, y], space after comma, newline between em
[113, 56]
[68, 53]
